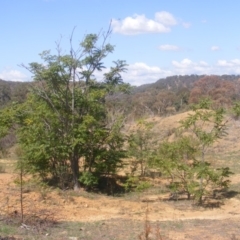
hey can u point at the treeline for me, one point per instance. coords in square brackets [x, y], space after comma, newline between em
[13, 92]
[177, 93]
[164, 97]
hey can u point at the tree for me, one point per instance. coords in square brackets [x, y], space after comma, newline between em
[140, 141]
[221, 92]
[206, 126]
[5, 93]
[182, 98]
[176, 160]
[163, 100]
[141, 104]
[236, 109]
[64, 118]
[180, 159]
[7, 137]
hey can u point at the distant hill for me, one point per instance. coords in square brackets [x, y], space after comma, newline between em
[174, 94]
[174, 83]
[164, 97]
[13, 91]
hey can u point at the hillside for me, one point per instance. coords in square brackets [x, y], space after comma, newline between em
[175, 94]
[177, 82]
[165, 127]
[178, 86]
[13, 92]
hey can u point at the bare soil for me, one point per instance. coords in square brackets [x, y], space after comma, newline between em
[94, 216]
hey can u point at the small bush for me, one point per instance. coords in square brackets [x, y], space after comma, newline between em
[143, 185]
[88, 179]
[135, 183]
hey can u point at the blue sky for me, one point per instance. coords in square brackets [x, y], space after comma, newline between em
[156, 38]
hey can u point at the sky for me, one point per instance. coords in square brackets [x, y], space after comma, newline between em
[157, 38]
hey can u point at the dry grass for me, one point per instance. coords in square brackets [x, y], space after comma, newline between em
[149, 233]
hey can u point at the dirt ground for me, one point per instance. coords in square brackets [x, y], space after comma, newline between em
[122, 217]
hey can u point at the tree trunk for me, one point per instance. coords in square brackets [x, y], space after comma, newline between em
[201, 179]
[75, 172]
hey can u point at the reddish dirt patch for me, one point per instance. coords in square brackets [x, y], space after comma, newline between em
[89, 208]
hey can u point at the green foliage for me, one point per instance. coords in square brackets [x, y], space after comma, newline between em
[136, 184]
[206, 126]
[210, 179]
[204, 103]
[88, 179]
[143, 185]
[7, 127]
[130, 183]
[236, 109]
[180, 160]
[6, 119]
[65, 115]
[7, 230]
[176, 160]
[188, 175]
[140, 144]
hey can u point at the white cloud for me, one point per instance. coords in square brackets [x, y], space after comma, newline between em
[138, 73]
[229, 67]
[165, 18]
[168, 47]
[221, 67]
[186, 67]
[183, 64]
[223, 63]
[141, 73]
[215, 48]
[139, 24]
[13, 75]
